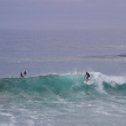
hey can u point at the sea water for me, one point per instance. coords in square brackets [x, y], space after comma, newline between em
[54, 92]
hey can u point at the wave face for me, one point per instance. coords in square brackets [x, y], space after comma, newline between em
[66, 85]
[63, 99]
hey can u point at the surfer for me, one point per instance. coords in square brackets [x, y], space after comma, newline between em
[21, 75]
[87, 76]
[25, 73]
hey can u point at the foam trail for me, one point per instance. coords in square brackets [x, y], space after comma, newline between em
[98, 81]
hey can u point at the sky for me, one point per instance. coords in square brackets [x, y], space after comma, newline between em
[62, 14]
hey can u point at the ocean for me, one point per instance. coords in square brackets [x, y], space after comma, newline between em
[54, 93]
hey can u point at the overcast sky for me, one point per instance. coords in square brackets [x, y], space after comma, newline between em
[62, 14]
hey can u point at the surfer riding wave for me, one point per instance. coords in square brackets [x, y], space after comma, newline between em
[87, 76]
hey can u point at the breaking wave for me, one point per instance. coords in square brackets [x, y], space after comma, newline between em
[65, 85]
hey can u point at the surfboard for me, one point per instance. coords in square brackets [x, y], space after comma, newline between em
[88, 82]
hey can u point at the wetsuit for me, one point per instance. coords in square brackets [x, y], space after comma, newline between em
[87, 76]
[21, 75]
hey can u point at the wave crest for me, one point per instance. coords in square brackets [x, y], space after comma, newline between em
[65, 85]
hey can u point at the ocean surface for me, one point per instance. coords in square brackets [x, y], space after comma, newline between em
[54, 93]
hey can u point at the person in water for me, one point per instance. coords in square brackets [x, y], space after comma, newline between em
[87, 76]
[25, 73]
[21, 75]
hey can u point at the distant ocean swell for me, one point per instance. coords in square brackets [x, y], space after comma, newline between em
[65, 85]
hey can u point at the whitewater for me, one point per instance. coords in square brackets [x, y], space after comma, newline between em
[54, 92]
[63, 100]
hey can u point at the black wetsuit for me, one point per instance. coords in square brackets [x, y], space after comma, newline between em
[25, 73]
[21, 75]
[87, 76]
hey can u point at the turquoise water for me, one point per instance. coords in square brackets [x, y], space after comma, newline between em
[54, 92]
[63, 100]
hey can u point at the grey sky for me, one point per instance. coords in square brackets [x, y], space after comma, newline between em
[62, 14]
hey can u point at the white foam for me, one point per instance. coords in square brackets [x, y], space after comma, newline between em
[98, 79]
